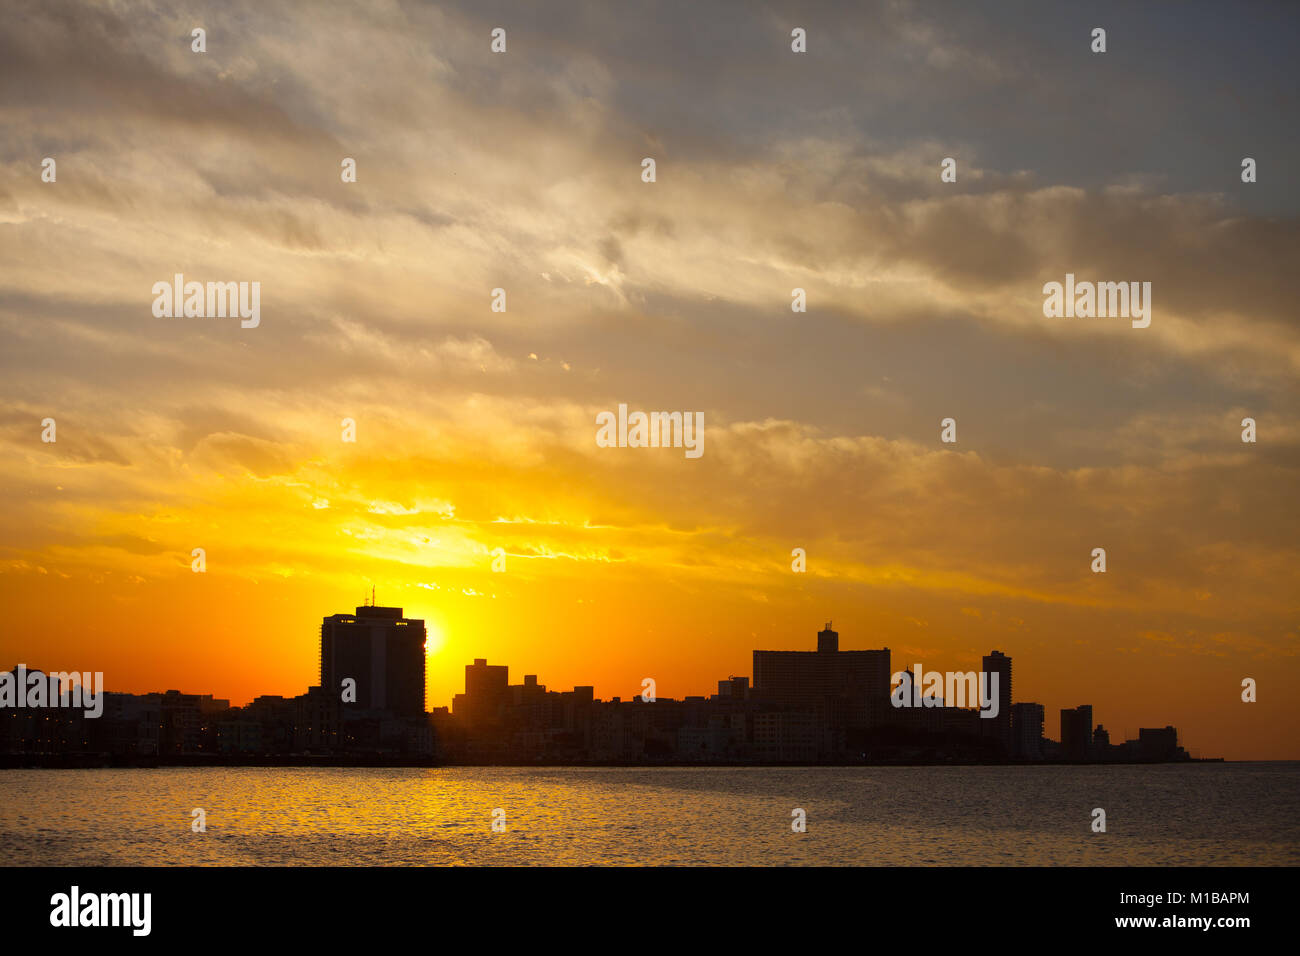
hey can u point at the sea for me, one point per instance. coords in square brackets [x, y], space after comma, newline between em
[1154, 815]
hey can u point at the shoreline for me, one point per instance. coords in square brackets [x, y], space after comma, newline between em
[110, 762]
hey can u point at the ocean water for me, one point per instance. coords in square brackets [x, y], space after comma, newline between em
[1167, 815]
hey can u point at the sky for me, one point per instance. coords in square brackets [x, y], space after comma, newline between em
[475, 429]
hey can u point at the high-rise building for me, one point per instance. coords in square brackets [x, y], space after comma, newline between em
[852, 687]
[382, 651]
[1000, 664]
[487, 693]
[1076, 732]
[1027, 721]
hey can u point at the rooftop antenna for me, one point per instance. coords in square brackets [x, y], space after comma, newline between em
[372, 596]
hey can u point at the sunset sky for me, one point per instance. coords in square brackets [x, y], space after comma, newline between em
[476, 429]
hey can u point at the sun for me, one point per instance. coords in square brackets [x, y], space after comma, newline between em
[434, 637]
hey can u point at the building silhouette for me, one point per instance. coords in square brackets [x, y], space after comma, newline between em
[1158, 743]
[1100, 742]
[1000, 726]
[850, 687]
[1076, 732]
[736, 688]
[487, 694]
[1027, 730]
[382, 651]
[812, 707]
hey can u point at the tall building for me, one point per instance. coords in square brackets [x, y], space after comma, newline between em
[1027, 722]
[382, 651]
[487, 693]
[851, 686]
[1000, 664]
[1076, 732]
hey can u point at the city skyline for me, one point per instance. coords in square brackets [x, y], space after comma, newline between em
[375, 649]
